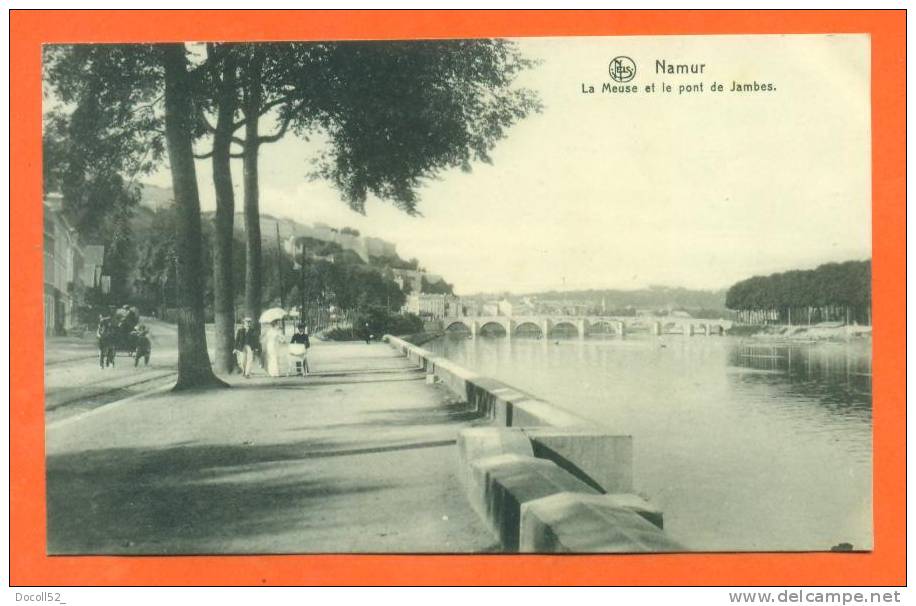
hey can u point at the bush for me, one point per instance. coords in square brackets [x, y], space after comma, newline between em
[380, 321]
[339, 334]
[405, 324]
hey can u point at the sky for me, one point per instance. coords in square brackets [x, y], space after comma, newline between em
[629, 190]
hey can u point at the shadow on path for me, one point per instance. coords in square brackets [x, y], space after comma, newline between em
[183, 499]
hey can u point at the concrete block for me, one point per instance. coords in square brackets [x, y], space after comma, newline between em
[482, 471]
[599, 459]
[494, 399]
[534, 413]
[454, 377]
[510, 483]
[635, 503]
[577, 523]
[484, 442]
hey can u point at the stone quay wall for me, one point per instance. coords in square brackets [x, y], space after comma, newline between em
[542, 478]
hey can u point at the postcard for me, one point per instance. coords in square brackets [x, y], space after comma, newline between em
[497, 293]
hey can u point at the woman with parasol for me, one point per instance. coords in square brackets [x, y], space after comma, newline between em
[273, 339]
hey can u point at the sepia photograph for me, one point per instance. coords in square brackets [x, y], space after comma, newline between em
[599, 294]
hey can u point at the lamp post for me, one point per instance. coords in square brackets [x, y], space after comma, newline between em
[302, 317]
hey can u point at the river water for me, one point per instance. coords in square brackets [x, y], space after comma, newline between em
[745, 445]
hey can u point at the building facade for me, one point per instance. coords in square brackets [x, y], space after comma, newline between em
[433, 306]
[69, 268]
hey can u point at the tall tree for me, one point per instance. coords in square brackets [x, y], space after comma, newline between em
[123, 95]
[266, 69]
[220, 76]
[194, 368]
[252, 109]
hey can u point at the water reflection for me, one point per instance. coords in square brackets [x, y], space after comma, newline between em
[837, 376]
[745, 445]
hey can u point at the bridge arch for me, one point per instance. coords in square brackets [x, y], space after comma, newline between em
[492, 328]
[602, 327]
[527, 327]
[565, 327]
[458, 326]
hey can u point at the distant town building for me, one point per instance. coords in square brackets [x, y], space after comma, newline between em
[93, 258]
[434, 306]
[489, 308]
[524, 307]
[504, 308]
[469, 307]
[564, 308]
[296, 246]
[68, 268]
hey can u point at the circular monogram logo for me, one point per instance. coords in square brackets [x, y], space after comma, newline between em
[622, 69]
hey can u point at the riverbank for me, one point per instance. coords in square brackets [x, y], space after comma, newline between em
[826, 331]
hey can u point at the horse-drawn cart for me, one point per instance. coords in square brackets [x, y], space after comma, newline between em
[122, 339]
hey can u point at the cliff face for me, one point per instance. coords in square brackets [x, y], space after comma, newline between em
[155, 198]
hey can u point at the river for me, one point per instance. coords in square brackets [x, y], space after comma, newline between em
[745, 445]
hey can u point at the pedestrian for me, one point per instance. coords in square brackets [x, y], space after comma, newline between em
[367, 333]
[247, 344]
[273, 338]
[141, 344]
[298, 349]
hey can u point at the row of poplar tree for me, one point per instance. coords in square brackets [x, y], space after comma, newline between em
[834, 292]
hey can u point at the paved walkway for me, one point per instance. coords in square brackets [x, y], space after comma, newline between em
[359, 457]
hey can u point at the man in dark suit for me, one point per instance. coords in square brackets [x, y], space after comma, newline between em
[247, 344]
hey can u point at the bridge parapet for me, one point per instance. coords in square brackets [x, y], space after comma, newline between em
[584, 325]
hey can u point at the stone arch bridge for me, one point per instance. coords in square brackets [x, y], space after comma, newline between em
[582, 326]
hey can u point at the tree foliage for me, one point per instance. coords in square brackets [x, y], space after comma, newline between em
[347, 285]
[436, 288]
[102, 130]
[395, 114]
[831, 284]
[846, 285]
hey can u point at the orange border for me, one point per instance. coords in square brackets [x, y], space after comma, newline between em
[30, 566]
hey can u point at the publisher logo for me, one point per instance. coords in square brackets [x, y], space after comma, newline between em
[622, 69]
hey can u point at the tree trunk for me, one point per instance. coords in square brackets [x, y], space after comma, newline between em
[223, 287]
[193, 361]
[253, 259]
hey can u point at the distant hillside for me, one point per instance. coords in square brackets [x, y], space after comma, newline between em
[154, 197]
[324, 239]
[654, 297]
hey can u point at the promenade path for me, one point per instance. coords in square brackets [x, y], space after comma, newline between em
[358, 457]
